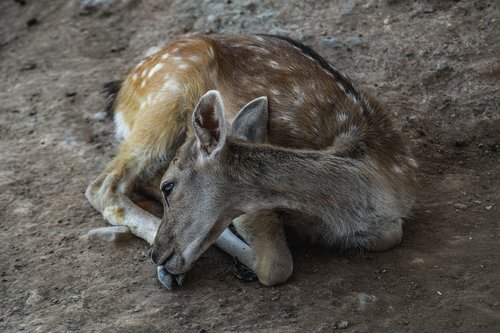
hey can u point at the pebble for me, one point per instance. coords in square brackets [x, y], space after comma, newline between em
[116, 233]
[342, 324]
[366, 299]
[460, 206]
[488, 207]
[348, 7]
[34, 297]
[332, 42]
[353, 41]
[99, 116]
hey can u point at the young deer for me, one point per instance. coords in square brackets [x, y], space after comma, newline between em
[318, 154]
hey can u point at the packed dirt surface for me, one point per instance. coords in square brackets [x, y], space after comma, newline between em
[434, 64]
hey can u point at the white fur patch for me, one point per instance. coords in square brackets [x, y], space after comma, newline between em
[397, 168]
[144, 72]
[194, 58]
[341, 117]
[121, 127]
[183, 66]
[412, 162]
[134, 77]
[155, 69]
[274, 64]
[165, 56]
[143, 84]
[171, 85]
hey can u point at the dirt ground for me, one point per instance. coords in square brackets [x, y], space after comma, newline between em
[435, 64]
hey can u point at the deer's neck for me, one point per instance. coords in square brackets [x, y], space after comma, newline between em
[313, 182]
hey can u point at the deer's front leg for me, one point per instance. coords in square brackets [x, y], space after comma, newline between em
[267, 253]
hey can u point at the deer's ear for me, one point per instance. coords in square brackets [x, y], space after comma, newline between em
[210, 125]
[251, 122]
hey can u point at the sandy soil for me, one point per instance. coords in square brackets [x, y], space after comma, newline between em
[435, 64]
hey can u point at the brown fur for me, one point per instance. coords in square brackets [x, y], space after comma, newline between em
[311, 105]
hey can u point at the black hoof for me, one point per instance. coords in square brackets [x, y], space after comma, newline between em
[242, 272]
[167, 279]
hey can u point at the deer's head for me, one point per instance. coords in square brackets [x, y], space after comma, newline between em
[198, 195]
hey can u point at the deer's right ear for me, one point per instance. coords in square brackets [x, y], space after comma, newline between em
[209, 125]
[250, 123]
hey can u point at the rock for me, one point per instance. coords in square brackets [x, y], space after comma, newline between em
[332, 42]
[34, 297]
[366, 299]
[353, 41]
[116, 233]
[342, 324]
[99, 116]
[348, 7]
[28, 66]
[460, 206]
[488, 207]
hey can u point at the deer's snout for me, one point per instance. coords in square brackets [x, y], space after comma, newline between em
[158, 256]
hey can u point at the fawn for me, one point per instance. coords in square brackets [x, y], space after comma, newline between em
[280, 138]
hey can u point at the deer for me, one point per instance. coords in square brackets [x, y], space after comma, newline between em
[240, 136]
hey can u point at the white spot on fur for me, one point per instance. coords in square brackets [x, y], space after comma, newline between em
[144, 72]
[260, 39]
[210, 52]
[274, 64]
[122, 187]
[341, 87]
[139, 64]
[412, 162]
[152, 50]
[328, 72]
[341, 117]
[155, 69]
[143, 84]
[165, 56]
[299, 95]
[183, 66]
[194, 58]
[121, 128]
[397, 168]
[171, 85]
[275, 92]
[134, 77]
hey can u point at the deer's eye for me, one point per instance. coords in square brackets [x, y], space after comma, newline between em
[167, 188]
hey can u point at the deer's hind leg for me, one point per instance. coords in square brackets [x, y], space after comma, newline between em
[263, 231]
[142, 153]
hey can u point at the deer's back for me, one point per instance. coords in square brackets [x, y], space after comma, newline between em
[312, 105]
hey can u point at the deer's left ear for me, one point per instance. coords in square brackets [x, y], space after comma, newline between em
[250, 123]
[209, 125]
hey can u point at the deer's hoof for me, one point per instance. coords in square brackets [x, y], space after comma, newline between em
[167, 279]
[242, 272]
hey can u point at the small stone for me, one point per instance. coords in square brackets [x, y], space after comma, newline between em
[70, 93]
[34, 297]
[342, 324]
[28, 67]
[116, 233]
[353, 41]
[99, 116]
[332, 42]
[460, 206]
[477, 202]
[275, 298]
[366, 299]
[348, 7]
[488, 207]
